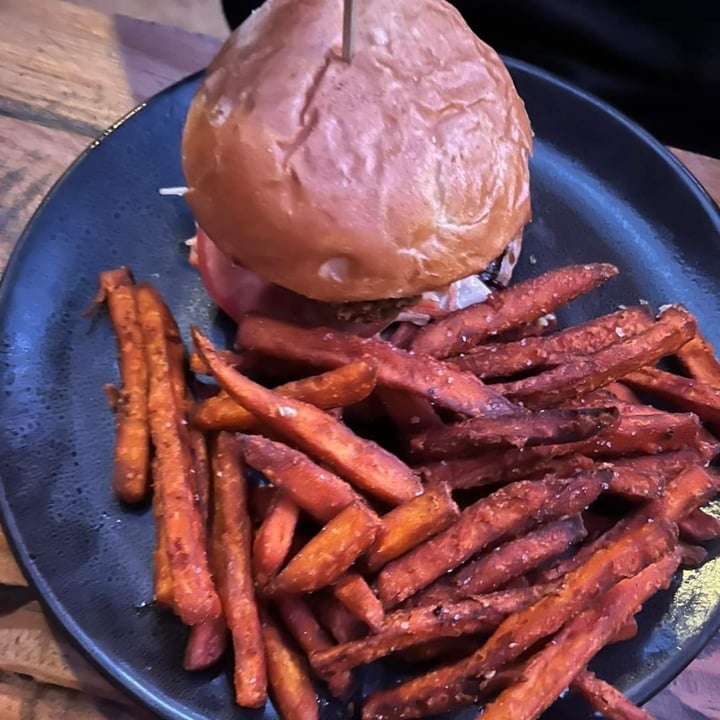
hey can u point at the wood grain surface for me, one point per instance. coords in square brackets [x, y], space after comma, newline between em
[68, 70]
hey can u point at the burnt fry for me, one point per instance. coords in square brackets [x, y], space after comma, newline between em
[555, 666]
[581, 375]
[292, 690]
[499, 360]
[301, 623]
[238, 592]
[408, 525]
[512, 509]
[363, 462]
[274, 538]
[132, 439]
[514, 307]
[330, 553]
[540, 428]
[319, 492]
[441, 383]
[606, 699]
[357, 596]
[194, 597]
[345, 385]
[452, 686]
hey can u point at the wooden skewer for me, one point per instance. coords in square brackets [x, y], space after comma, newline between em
[348, 46]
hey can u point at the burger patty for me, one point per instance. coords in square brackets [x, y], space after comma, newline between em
[372, 311]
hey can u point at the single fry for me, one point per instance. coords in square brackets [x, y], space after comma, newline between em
[581, 375]
[499, 467]
[330, 553]
[237, 588]
[692, 556]
[606, 699]
[194, 596]
[130, 403]
[507, 562]
[346, 385]
[409, 525]
[409, 628]
[512, 509]
[206, 644]
[411, 414]
[292, 690]
[699, 527]
[498, 360]
[698, 358]
[302, 624]
[523, 430]
[514, 307]
[336, 618]
[682, 393]
[164, 591]
[319, 492]
[363, 462]
[443, 384]
[357, 596]
[634, 484]
[556, 665]
[452, 686]
[274, 538]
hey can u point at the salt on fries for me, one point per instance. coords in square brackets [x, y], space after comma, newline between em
[466, 534]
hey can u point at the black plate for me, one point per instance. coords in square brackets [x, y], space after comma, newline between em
[602, 190]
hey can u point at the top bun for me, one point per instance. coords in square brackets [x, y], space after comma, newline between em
[396, 174]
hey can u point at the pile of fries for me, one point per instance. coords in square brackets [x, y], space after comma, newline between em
[487, 497]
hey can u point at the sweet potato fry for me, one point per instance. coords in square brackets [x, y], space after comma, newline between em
[330, 553]
[345, 385]
[336, 618]
[273, 538]
[555, 666]
[581, 375]
[668, 464]
[194, 596]
[452, 686]
[408, 628]
[302, 624]
[499, 467]
[692, 556]
[628, 631]
[518, 305]
[164, 591]
[441, 383]
[679, 392]
[316, 490]
[506, 562]
[540, 428]
[686, 492]
[623, 393]
[699, 360]
[206, 644]
[292, 690]
[512, 509]
[408, 525]
[357, 596]
[231, 357]
[699, 527]
[499, 360]
[606, 699]
[363, 462]
[132, 441]
[238, 592]
[410, 414]
[542, 326]
[635, 484]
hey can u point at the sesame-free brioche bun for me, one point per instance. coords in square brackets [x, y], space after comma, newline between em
[395, 174]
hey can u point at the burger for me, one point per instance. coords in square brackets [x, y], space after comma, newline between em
[394, 187]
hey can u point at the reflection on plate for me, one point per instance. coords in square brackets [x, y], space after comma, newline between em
[602, 190]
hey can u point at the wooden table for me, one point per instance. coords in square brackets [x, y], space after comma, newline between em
[67, 71]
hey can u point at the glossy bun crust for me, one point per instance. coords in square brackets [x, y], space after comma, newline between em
[395, 174]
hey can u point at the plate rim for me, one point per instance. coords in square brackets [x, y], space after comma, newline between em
[119, 677]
